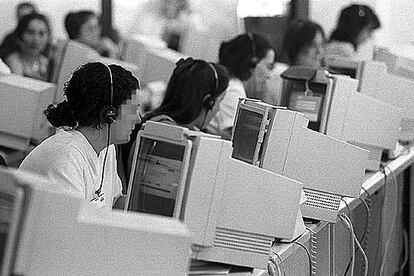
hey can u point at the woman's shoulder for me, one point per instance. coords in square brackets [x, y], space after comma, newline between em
[340, 48]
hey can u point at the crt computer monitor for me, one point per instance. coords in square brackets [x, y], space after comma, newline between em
[22, 103]
[231, 208]
[46, 232]
[399, 60]
[336, 108]
[343, 66]
[278, 140]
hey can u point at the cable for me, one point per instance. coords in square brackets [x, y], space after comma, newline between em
[365, 228]
[394, 219]
[346, 224]
[307, 253]
[351, 227]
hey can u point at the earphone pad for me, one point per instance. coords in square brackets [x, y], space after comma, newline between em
[209, 103]
[108, 115]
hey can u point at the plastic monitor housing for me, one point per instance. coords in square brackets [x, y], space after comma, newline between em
[76, 54]
[232, 208]
[22, 103]
[50, 233]
[278, 140]
[377, 82]
[342, 66]
[345, 113]
[398, 64]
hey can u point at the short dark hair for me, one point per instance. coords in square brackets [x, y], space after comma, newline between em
[352, 20]
[191, 81]
[299, 35]
[88, 95]
[25, 4]
[75, 20]
[25, 21]
[241, 54]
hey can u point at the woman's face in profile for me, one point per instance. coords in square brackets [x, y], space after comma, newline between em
[311, 55]
[90, 32]
[35, 37]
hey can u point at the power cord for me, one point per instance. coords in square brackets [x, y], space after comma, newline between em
[348, 223]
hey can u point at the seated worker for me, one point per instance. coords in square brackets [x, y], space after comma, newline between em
[8, 45]
[249, 58]
[33, 34]
[83, 26]
[355, 26]
[304, 44]
[192, 91]
[99, 111]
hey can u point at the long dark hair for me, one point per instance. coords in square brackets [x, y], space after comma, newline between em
[75, 20]
[352, 20]
[191, 81]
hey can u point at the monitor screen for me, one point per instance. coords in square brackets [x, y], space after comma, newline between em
[310, 105]
[246, 135]
[155, 186]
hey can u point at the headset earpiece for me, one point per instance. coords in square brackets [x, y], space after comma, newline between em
[209, 102]
[110, 115]
[253, 59]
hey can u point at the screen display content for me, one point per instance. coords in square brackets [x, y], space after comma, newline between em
[246, 135]
[156, 178]
[310, 105]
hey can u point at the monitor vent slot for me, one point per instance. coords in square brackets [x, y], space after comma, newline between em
[243, 241]
[322, 200]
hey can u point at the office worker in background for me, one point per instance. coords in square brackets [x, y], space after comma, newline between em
[192, 91]
[33, 34]
[250, 59]
[8, 44]
[99, 111]
[304, 43]
[83, 26]
[354, 27]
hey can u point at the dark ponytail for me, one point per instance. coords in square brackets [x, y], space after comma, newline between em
[60, 115]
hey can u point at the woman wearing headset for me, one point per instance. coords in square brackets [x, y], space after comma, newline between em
[100, 110]
[192, 91]
[249, 58]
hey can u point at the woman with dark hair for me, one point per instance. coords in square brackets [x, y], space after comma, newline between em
[33, 34]
[303, 44]
[83, 26]
[355, 26]
[100, 110]
[249, 58]
[192, 91]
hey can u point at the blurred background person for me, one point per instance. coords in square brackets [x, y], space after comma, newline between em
[355, 26]
[250, 59]
[8, 44]
[83, 26]
[33, 34]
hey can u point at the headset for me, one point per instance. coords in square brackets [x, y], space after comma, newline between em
[254, 59]
[209, 101]
[108, 116]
